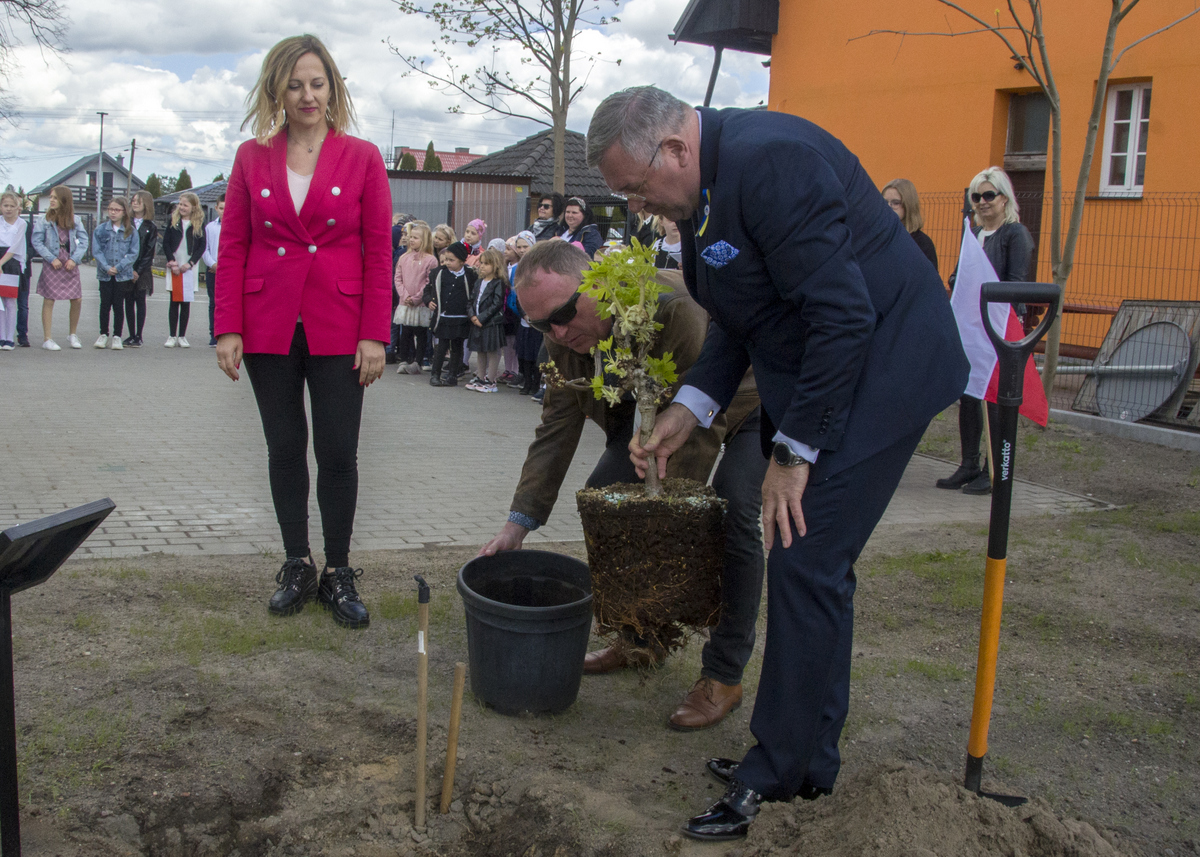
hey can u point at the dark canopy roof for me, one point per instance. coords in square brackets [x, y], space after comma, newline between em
[741, 25]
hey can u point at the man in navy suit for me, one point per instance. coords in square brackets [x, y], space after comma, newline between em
[812, 280]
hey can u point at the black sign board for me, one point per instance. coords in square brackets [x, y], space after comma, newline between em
[29, 554]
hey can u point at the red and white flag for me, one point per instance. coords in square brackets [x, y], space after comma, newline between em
[974, 270]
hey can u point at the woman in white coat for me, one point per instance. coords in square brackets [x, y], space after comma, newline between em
[183, 245]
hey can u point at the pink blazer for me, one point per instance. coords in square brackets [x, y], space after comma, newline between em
[329, 265]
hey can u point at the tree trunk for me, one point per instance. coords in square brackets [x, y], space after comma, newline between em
[649, 411]
[560, 158]
[1067, 257]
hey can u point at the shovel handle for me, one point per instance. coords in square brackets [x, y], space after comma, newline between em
[1013, 356]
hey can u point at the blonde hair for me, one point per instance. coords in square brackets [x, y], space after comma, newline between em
[11, 194]
[998, 179]
[196, 218]
[444, 230]
[64, 216]
[493, 258]
[147, 204]
[913, 220]
[126, 216]
[264, 105]
[426, 237]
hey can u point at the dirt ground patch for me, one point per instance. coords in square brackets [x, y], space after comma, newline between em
[161, 711]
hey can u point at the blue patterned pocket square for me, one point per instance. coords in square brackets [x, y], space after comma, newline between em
[720, 254]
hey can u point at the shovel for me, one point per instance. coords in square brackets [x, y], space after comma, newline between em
[1013, 357]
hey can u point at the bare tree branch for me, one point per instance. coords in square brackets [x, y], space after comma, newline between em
[1137, 42]
[545, 31]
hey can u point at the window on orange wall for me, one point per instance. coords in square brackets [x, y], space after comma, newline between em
[1126, 129]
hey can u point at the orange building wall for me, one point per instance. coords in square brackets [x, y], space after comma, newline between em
[934, 109]
[926, 107]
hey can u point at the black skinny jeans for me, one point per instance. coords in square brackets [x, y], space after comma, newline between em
[135, 313]
[178, 315]
[278, 381]
[112, 301]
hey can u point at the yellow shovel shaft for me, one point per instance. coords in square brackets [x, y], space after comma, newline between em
[989, 645]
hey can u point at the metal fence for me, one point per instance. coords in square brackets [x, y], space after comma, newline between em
[1129, 249]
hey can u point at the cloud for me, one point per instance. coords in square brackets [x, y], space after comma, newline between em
[182, 96]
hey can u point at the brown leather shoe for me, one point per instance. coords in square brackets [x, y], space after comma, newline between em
[620, 655]
[606, 660]
[706, 704]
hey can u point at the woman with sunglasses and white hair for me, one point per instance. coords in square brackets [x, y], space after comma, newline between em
[1009, 247]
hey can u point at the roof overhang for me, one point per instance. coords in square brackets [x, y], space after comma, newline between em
[740, 25]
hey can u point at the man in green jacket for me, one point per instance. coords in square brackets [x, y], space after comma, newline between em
[547, 284]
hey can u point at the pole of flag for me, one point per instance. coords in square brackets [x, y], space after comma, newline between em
[1012, 360]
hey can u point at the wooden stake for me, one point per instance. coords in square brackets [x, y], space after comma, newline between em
[987, 441]
[422, 697]
[460, 680]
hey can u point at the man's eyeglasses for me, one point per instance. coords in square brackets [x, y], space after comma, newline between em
[637, 195]
[986, 196]
[561, 316]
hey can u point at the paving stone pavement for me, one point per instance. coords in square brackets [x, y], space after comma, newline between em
[179, 448]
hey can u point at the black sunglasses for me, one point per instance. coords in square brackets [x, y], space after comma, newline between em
[986, 196]
[560, 316]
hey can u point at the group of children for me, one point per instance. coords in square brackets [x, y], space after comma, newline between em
[460, 291]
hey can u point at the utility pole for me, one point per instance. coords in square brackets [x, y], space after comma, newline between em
[100, 168]
[392, 142]
[129, 178]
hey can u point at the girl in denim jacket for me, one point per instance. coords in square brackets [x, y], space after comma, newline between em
[60, 239]
[115, 246]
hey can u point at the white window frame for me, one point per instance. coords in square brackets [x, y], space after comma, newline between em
[1128, 188]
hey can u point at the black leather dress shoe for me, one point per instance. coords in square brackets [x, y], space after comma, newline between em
[297, 584]
[723, 771]
[338, 593]
[728, 818]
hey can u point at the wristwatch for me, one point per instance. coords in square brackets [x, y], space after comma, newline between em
[784, 457]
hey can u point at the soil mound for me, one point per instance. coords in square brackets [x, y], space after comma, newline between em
[903, 811]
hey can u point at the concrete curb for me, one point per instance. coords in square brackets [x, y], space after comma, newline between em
[1173, 438]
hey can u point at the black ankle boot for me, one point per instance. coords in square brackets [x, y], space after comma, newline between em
[981, 484]
[338, 594]
[297, 584]
[966, 472]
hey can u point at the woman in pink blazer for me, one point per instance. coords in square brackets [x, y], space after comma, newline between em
[304, 274]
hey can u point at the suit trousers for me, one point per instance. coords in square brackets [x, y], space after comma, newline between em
[738, 479]
[804, 690]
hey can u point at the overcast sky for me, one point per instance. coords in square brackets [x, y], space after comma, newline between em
[175, 77]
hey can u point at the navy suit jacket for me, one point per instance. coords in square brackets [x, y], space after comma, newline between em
[809, 277]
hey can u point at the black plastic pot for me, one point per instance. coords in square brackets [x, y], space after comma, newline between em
[528, 618]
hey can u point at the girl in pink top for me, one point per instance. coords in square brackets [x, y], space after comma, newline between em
[412, 275]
